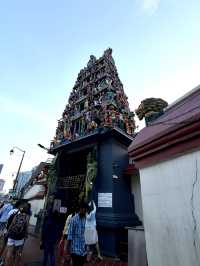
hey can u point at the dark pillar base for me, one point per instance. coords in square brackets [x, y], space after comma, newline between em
[111, 240]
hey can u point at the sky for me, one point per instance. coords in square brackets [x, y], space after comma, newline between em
[44, 44]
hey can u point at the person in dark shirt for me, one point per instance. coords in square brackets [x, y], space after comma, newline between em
[17, 232]
[51, 234]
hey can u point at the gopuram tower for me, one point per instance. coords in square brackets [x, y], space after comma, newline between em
[91, 144]
[97, 100]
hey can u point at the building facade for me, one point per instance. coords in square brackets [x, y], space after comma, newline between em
[35, 191]
[22, 180]
[167, 154]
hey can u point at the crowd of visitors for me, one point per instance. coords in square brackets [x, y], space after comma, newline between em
[78, 241]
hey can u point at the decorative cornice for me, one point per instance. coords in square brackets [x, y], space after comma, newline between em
[130, 170]
[99, 135]
[176, 142]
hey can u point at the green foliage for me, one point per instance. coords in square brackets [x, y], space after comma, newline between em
[51, 178]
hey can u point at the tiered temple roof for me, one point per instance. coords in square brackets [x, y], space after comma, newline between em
[96, 101]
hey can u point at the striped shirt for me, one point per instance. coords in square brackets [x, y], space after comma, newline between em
[76, 235]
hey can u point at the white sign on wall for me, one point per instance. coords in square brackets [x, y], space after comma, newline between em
[105, 200]
[63, 210]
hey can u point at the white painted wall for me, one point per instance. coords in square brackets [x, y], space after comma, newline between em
[136, 190]
[171, 210]
[36, 204]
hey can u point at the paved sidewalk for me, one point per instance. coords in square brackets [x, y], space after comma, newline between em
[32, 255]
[31, 251]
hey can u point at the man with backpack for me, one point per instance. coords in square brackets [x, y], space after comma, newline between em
[17, 232]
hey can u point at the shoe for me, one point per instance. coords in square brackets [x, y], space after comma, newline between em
[100, 257]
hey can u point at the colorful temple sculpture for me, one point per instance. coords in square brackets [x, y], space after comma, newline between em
[150, 109]
[97, 100]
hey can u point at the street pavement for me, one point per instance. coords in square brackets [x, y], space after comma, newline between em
[32, 255]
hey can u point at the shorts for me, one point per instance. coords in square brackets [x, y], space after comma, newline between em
[17, 243]
[91, 236]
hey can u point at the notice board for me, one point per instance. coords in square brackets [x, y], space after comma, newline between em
[105, 200]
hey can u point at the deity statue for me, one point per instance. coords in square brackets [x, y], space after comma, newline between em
[109, 82]
[108, 119]
[91, 61]
[96, 102]
[76, 110]
[117, 120]
[93, 125]
[113, 117]
[88, 116]
[110, 95]
[77, 135]
[86, 104]
[108, 55]
[95, 90]
[66, 131]
[91, 172]
[126, 121]
[121, 121]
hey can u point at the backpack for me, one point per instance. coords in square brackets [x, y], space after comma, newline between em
[17, 229]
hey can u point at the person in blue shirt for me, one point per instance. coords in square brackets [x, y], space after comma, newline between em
[76, 239]
[4, 211]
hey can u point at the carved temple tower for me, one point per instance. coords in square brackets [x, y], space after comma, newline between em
[91, 144]
[97, 100]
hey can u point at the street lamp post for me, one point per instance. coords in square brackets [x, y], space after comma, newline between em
[18, 171]
[43, 147]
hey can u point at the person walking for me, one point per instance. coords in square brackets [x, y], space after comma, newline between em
[7, 207]
[75, 240]
[14, 210]
[17, 232]
[51, 234]
[91, 236]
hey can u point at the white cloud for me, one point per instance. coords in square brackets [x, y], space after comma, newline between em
[46, 124]
[150, 6]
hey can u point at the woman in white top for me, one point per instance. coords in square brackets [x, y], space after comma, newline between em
[91, 236]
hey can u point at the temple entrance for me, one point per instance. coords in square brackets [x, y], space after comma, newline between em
[71, 178]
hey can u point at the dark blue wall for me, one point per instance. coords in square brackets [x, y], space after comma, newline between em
[113, 160]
